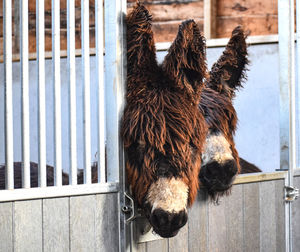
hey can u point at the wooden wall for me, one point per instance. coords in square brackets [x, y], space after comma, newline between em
[259, 17]
[63, 25]
[251, 219]
[83, 223]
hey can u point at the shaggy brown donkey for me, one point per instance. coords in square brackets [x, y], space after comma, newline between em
[160, 121]
[220, 160]
[220, 157]
[163, 128]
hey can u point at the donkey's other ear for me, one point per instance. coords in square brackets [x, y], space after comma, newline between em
[185, 62]
[228, 73]
[141, 52]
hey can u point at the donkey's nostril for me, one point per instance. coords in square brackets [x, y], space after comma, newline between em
[231, 167]
[159, 218]
[179, 220]
[167, 224]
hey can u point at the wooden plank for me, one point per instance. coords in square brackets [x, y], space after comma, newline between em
[6, 227]
[257, 25]
[197, 222]
[259, 177]
[267, 216]
[107, 229]
[28, 226]
[280, 215]
[246, 8]
[210, 13]
[152, 2]
[167, 31]
[141, 247]
[217, 240]
[1, 26]
[251, 217]
[56, 224]
[234, 219]
[296, 218]
[175, 11]
[159, 245]
[179, 243]
[82, 223]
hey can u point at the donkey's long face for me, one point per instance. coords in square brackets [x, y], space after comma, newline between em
[163, 128]
[220, 161]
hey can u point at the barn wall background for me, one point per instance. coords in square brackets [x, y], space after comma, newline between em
[259, 17]
[257, 105]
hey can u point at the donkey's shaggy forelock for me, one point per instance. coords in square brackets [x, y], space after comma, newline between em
[163, 129]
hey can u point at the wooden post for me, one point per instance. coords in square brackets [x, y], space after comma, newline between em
[210, 13]
[16, 40]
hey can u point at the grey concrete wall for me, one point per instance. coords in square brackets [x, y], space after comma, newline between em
[257, 105]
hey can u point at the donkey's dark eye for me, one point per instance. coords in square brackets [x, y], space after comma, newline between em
[193, 146]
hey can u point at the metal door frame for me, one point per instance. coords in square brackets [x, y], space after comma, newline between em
[287, 80]
[115, 75]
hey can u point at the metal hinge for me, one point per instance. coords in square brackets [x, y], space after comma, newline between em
[129, 209]
[291, 193]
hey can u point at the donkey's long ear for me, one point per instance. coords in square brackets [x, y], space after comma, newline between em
[185, 62]
[141, 55]
[228, 73]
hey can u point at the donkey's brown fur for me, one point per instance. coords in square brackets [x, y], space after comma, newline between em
[162, 119]
[225, 78]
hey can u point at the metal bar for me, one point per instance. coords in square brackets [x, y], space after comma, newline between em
[298, 79]
[287, 84]
[25, 93]
[85, 44]
[7, 35]
[56, 85]
[72, 90]
[287, 100]
[115, 76]
[114, 81]
[52, 192]
[40, 42]
[101, 91]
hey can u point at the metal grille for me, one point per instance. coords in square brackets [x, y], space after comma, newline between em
[109, 100]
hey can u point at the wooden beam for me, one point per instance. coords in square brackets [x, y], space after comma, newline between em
[16, 41]
[210, 14]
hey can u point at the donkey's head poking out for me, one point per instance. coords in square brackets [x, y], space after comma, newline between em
[177, 117]
[220, 161]
[163, 128]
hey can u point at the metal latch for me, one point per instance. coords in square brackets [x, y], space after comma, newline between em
[129, 209]
[291, 193]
